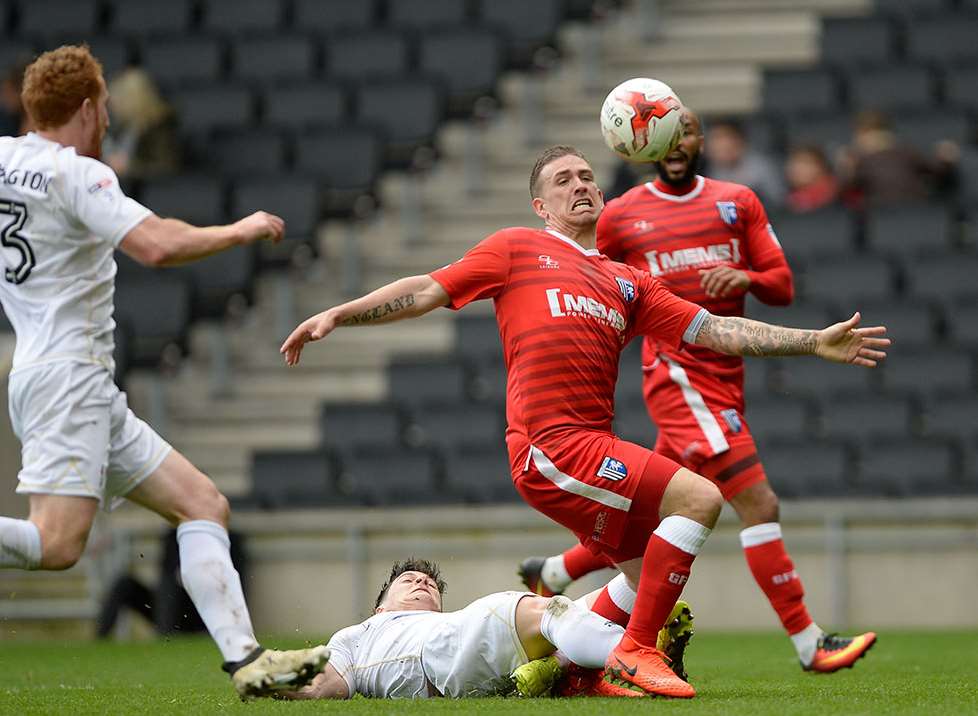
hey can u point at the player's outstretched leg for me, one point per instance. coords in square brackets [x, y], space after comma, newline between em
[548, 576]
[835, 652]
[265, 671]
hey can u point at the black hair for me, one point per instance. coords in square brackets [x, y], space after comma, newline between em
[412, 564]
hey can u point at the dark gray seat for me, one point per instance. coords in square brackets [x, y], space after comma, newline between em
[928, 370]
[237, 16]
[352, 424]
[332, 15]
[859, 417]
[924, 129]
[799, 91]
[59, 18]
[295, 479]
[952, 415]
[489, 382]
[829, 130]
[448, 425]
[968, 172]
[294, 198]
[962, 325]
[273, 58]
[5, 326]
[358, 56]
[424, 14]
[177, 60]
[433, 379]
[420, 108]
[913, 8]
[799, 314]
[477, 339]
[908, 322]
[892, 88]
[944, 277]
[208, 107]
[151, 17]
[526, 25]
[846, 281]
[778, 417]
[381, 477]
[943, 39]
[303, 105]
[480, 474]
[826, 232]
[345, 160]
[14, 50]
[141, 304]
[896, 468]
[908, 229]
[810, 376]
[858, 41]
[632, 421]
[961, 87]
[221, 279]
[807, 468]
[247, 152]
[467, 60]
[194, 198]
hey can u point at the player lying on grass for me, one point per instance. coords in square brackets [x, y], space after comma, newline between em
[409, 648]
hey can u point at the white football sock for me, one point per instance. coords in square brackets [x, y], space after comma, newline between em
[806, 642]
[622, 594]
[20, 544]
[554, 574]
[581, 635]
[215, 587]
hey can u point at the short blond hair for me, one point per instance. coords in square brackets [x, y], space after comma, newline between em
[57, 82]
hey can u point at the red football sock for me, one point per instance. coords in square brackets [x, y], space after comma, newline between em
[579, 560]
[775, 574]
[665, 571]
[605, 606]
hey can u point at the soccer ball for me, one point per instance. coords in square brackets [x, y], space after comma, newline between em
[641, 120]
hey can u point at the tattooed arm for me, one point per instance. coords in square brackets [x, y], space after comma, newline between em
[405, 298]
[841, 342]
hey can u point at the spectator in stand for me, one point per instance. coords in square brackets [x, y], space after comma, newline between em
[880, 169]
[142, 139]
[730, 158]
[13, 118]
[811, 182]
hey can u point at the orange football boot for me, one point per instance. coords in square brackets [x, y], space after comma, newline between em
[632, 664]
[836, 652]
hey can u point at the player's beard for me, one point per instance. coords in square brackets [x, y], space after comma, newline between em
[692, 168]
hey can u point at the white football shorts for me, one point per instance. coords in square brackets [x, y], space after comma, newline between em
[78, 436]
[473, 651]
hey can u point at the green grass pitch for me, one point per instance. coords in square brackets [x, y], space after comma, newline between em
[752, 674]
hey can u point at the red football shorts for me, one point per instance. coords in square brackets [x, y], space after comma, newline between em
[701, 426]
[605, 490]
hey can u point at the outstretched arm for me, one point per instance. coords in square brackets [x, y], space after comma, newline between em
[405, 298]
[328, 684]
[841, 342]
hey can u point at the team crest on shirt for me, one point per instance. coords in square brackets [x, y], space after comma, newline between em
[728, 212]
[627, 288]
[612, 469]
[733, 420]
[100, 185]
[548, 263]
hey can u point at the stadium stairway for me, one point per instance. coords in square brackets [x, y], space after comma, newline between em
[711, 52]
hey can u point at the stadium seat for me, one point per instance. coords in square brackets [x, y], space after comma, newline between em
[757, 379]
[209, 107]
[526, 26]
[807, 468]
[467, 60]
[220, 279]
[138, 303]
[345, 160]
[447, 425]
[810, 376]
[961, 88]
[354, 424]
[295, 479]
[927, 370]
[13, 50]
[273, 58]
[845, 282]
[908, 321]
[962, 325]
[383, 477]
[305, 105]
[943, 39]
[5, 326]
[923, 130]
[375, 54]
[908, 229]
[799, 314]
[953, 415]
[236, 16]
[480, 474]
[477, 339]
[61, 19]
[778, 417]
[175, 61]
[629, 382]
[787, 92]
[427, 379]
[829, 130]
[632, 421]
[900, 467]
[151, 17]
[247, 152]
[912, 8]
[968, 173]
[322, 16]
[294, 198]
[425, 14]
[420, 108]
[944, 277]
[489, 381]
[892, 88]
[826, 232]
[194, 198]
[122, 338]
[847, 41]
[859, 417]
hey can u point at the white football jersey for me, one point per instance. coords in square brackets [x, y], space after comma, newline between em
[61, 217]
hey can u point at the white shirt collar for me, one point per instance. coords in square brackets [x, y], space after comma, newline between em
[681, 197]
[557, 235]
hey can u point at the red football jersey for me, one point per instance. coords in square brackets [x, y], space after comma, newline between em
[674, 236]
[564, 315]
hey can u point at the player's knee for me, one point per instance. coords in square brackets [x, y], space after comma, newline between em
[757, 505]
[60, 551]
[704, 501]
[205, 503]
